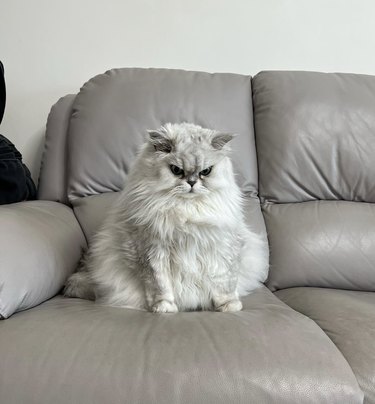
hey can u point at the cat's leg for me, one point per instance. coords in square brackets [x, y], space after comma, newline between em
[158, 284]
[159, 294]
[225, 295]
[229, 302]
[79, 285]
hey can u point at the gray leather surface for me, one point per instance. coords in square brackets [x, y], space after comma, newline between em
[41, 244]
[348, 317]
[112, 112]
[92, 210]
[321, 243]
[315, 136]
[73, 351]
[52, 178]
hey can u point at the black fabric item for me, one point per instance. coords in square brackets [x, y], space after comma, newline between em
[16, 184]
[2, 92]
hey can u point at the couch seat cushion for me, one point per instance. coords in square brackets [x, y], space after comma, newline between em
[348, 318]
[75, 351]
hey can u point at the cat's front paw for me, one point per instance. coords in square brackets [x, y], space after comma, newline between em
[164, 306]
[231, 305]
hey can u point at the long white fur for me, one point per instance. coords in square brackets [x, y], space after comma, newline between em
[164, 248]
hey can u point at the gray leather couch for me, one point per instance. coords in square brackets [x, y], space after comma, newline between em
[306, 149]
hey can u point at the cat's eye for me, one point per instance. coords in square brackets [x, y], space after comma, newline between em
[206, 171]
[176, 170]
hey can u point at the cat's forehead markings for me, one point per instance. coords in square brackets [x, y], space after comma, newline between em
[186, 161]
[193, 162]
[189, 162]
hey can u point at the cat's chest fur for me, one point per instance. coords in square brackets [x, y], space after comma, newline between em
[199, 245]
[193, 230]
[198, 257]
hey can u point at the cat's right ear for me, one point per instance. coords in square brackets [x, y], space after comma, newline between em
[160, 141]
[221, 139]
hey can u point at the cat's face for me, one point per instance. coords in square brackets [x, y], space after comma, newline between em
[189, 161]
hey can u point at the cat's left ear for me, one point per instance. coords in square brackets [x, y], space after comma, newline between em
[221, 139]
[160, 141]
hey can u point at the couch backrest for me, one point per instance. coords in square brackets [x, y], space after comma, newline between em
[54, 171]
[108, 121]
[315, 136]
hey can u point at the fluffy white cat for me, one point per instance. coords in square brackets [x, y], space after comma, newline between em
[176, 239]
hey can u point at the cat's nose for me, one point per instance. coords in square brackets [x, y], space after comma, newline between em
[191, 182]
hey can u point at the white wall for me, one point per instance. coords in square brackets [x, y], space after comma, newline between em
[50, 47]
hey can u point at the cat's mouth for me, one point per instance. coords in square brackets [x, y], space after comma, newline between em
[190, 194]
[194, 193]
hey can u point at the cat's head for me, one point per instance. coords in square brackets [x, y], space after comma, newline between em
[190, 160]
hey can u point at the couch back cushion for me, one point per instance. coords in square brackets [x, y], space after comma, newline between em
[315, 136]
[111, 115]
[53, 170]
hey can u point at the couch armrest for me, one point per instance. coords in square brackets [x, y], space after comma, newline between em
[41, 243]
